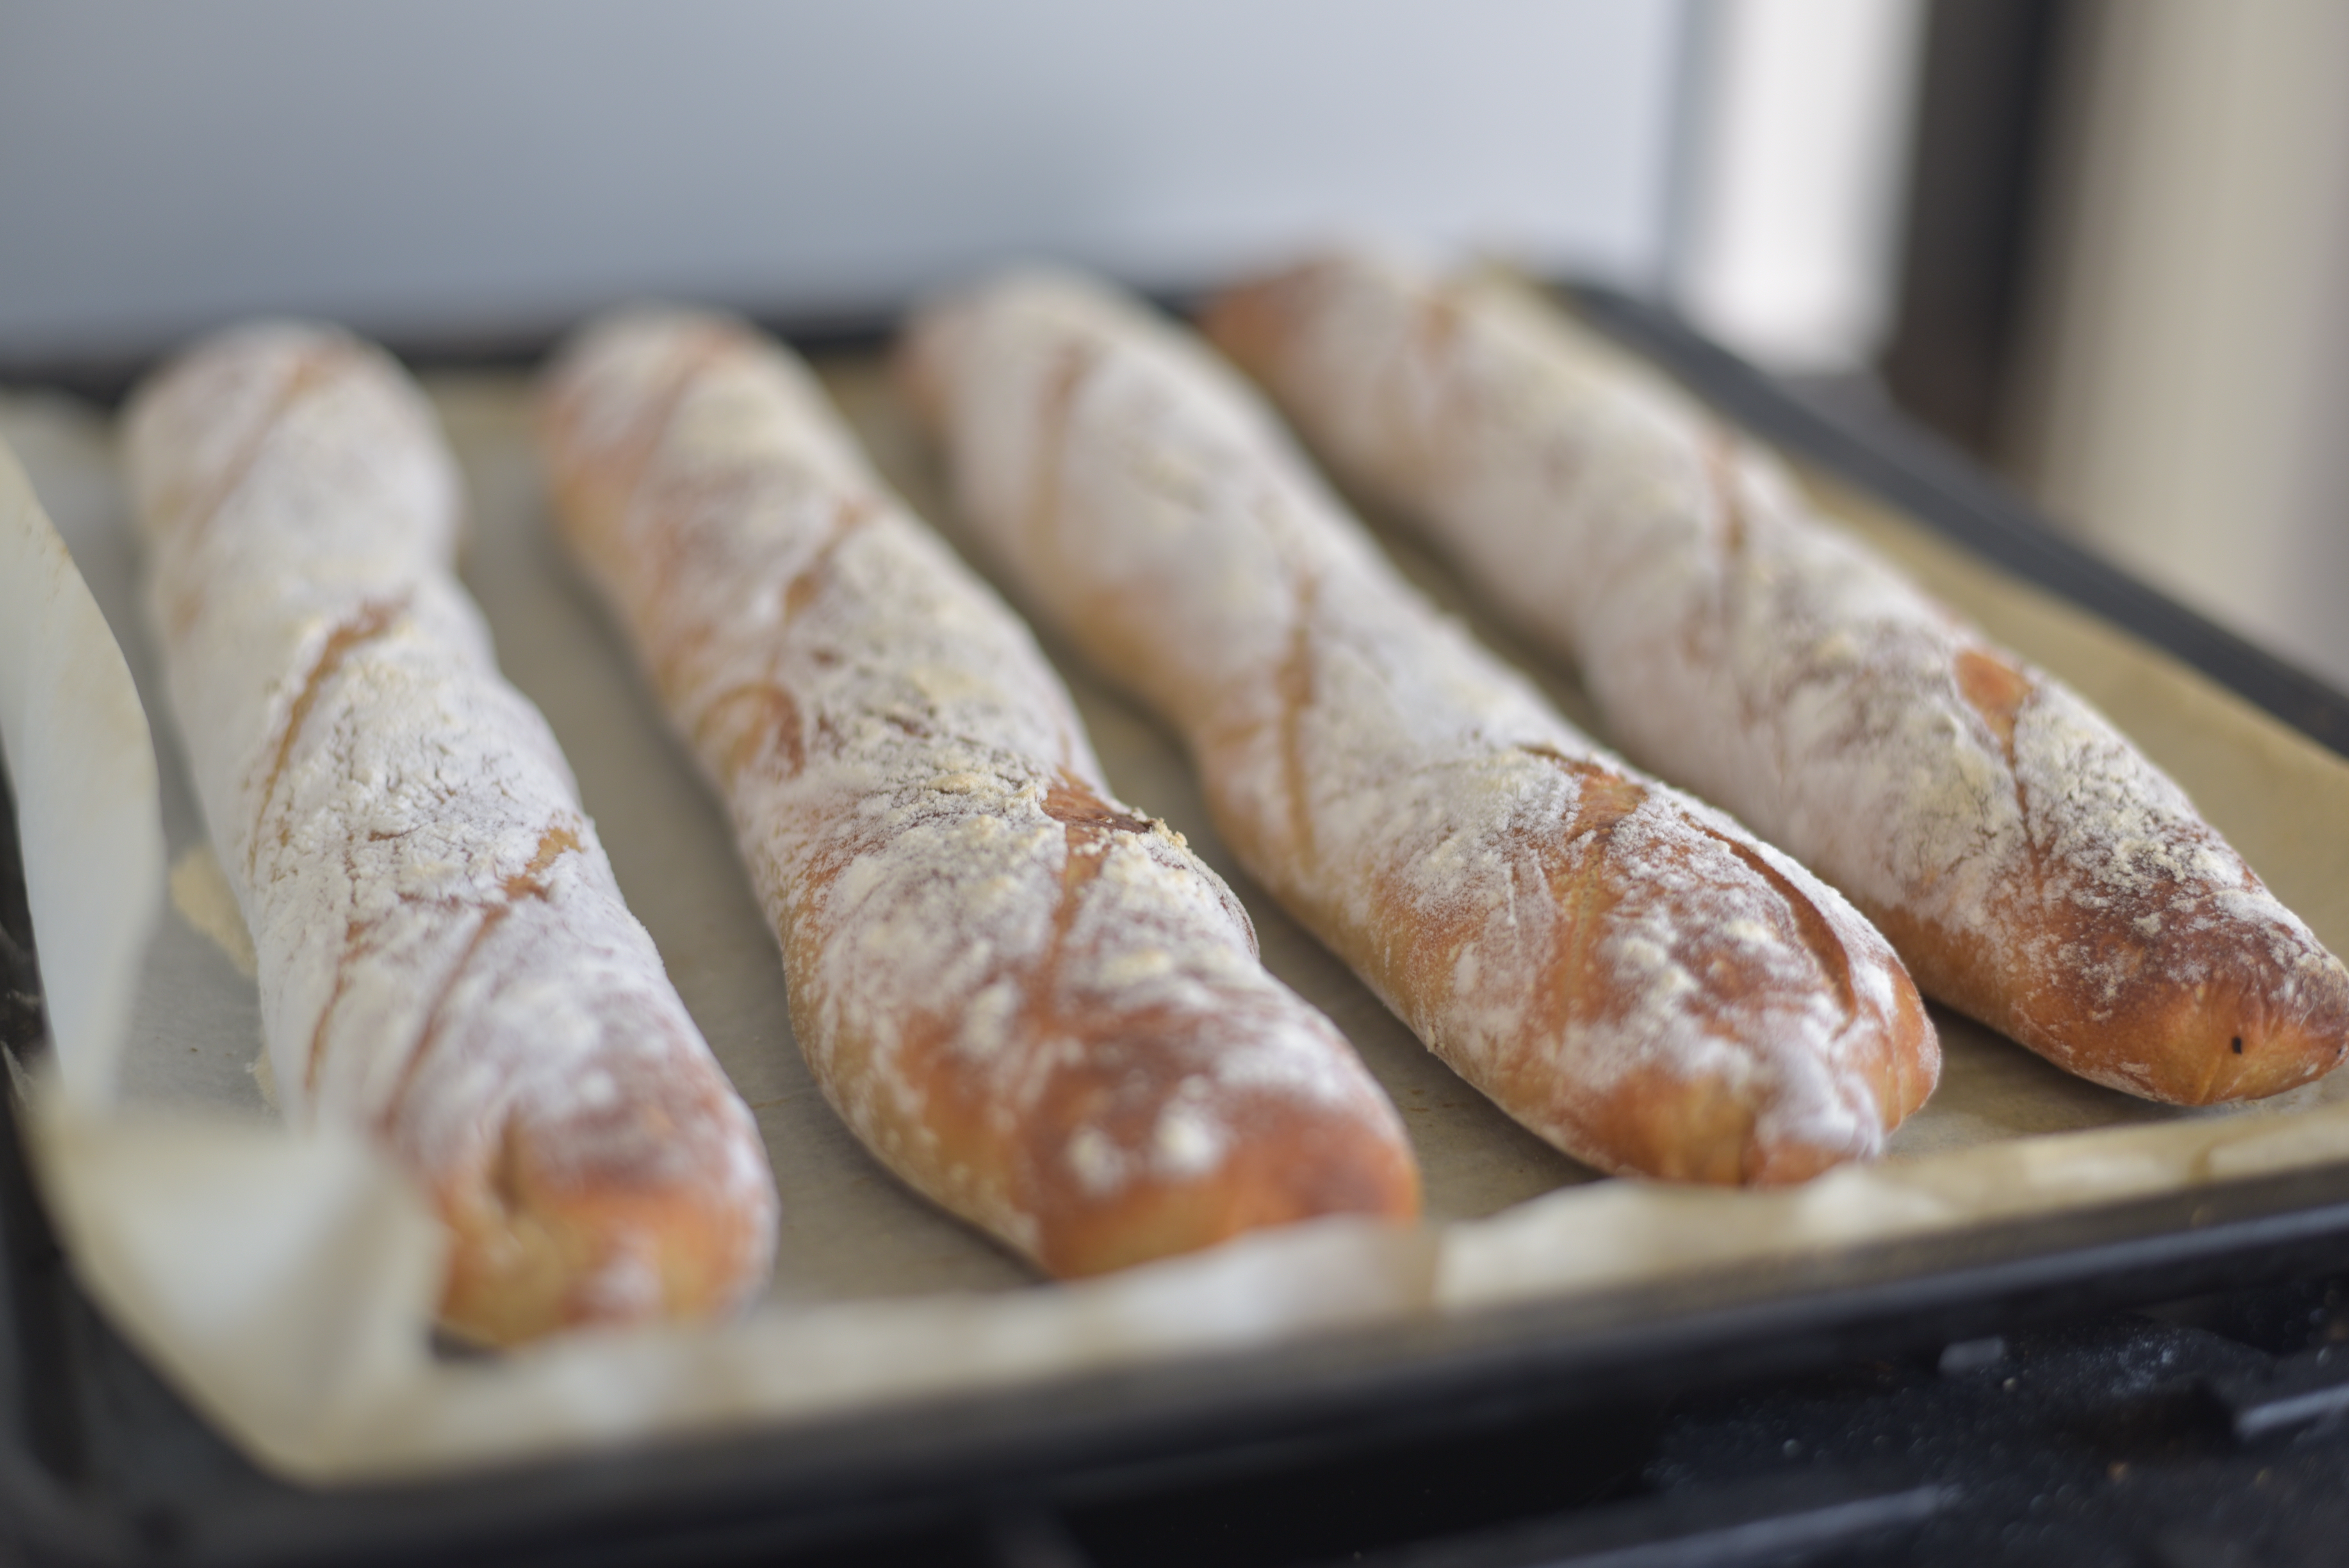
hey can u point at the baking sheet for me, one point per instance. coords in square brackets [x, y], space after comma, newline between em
[285, 1282]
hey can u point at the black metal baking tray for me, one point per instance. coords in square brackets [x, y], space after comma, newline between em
[101, 1463]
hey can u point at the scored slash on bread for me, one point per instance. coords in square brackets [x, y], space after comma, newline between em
[1036, 1006]
[1625, 971]
[445, 962]
[2031, 866]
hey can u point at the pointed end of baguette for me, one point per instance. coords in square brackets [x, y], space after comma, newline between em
[2243, 1038]
[544, 1244]
[1315, 1171]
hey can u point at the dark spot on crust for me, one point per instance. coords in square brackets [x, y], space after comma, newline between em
[2237, 1044]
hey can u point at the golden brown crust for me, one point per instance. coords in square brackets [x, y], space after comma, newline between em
[2032, 869]
[446, 965]
[536, 1238]
[1624, 971]
[1035, 1004]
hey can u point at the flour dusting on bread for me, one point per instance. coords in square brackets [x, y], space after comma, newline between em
[1032, 1001]
[444, 958]
[1581, 943]
[2031, 866]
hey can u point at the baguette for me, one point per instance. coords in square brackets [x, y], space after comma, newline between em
[445, 962]
[2029, 863]
[1032, 1003]
[1624, 971]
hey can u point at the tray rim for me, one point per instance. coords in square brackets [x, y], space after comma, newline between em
[1203, 1413]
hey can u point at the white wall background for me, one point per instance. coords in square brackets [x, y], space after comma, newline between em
[439, 168]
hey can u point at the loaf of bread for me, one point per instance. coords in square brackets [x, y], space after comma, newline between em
[445, 961]
[2032, 867]
[1626, 972]
[1031, 1002]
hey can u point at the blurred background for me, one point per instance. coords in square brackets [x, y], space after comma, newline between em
[2102, 244]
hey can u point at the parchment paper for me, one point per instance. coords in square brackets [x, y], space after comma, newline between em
[286, 1281]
